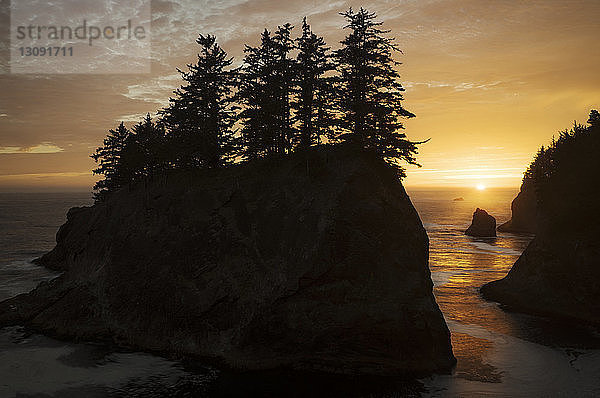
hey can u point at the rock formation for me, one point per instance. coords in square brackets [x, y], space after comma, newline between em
[556, 277]
[559, 272]
[523, 209]
[483, 225]
[315, 262]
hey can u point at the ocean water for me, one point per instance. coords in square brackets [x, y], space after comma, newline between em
[28, 226]
[499, 353]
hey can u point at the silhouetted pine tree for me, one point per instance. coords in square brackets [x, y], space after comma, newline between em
[284, 77]
[565, 175]
[144, 154]
[264, 91]
[255, 94]
[314, 94]
[110, 162]
[257, 133]
[594, 119]
[563, 150]
[200, 118]
[540, 166]
[370, 89]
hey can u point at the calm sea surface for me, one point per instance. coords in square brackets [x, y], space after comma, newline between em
[499, 353]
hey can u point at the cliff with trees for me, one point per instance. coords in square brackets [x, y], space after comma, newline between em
[250, 243]
[558, 273]
[289, 94]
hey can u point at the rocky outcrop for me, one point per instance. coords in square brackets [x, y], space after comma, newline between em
[483, 225]
[559, 272]
[315, 262]
[63, 254]
[524, 210]
[556, 277]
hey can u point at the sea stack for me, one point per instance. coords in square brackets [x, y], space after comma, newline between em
[483, 225]
[558, 274]
[316, 262]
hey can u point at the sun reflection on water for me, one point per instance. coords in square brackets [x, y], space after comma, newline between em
[487, 341]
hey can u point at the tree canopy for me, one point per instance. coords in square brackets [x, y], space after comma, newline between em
[200, 117]
[565, 178]
[289, 93]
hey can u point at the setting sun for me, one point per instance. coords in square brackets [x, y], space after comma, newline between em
[480, 187]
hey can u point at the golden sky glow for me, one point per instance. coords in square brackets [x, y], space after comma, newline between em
[489, 81]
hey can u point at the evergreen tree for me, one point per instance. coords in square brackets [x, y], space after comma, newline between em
[313, 103]
[370, 89]
[568, 165]
[566, 149]
[109, 158]
[264, 92]
[284, 77]
[201, 116]
[257, 117]
[144, 153]
[286, 101]
[594, 119]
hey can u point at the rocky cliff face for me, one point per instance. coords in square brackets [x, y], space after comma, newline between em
[559, 272]
[555, 277]
[317, 262]
[524, 212]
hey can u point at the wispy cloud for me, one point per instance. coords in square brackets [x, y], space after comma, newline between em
[40, 148]
[156, 90]
[469, 170]
[46, 175]
[461, 86]
[135, 117]
[483, 177]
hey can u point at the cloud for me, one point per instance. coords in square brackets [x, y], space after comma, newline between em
[468, 170]
[461, 86]
[45, 175]
[39, 148]
[156, 90]
[134, 117]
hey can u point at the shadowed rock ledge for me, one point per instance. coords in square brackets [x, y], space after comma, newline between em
[316, 262]
[553, 277]
[524, 210]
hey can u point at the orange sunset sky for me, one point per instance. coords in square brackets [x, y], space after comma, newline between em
[489, 81]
